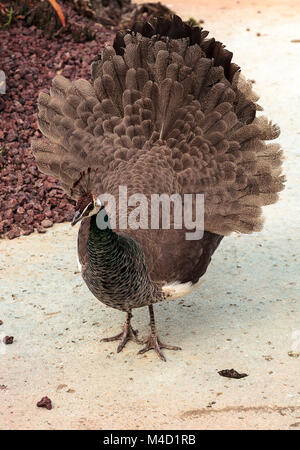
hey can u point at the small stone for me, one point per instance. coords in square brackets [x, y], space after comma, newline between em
[46, 223]
[11, 136]
[8, 214]
[45, 402]
[8, 340]
[231, 373]
[13, 233]
[11, 203]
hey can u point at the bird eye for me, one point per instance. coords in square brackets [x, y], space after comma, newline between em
[90, 207]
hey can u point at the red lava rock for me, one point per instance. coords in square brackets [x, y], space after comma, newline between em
[25, 192]
[46, 223]
[13, 233]
[45, 402]
[11, 136]
[48, 213]
[12, 203]
[27, 230]
[8, 214]
[8, 340]
[39, 217]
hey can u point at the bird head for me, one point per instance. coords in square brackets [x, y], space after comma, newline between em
[86, 206]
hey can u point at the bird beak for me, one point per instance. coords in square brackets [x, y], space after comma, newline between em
[76, 218]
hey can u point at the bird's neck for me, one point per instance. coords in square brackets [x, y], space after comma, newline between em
[116, 268]
[102, 235]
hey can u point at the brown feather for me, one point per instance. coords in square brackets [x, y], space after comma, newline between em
[167, 112]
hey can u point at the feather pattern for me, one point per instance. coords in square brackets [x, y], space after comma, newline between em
[167, 111]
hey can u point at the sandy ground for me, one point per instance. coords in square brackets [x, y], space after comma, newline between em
[245, 315]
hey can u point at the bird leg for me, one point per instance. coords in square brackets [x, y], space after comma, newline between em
[128, 334]
[153, 342]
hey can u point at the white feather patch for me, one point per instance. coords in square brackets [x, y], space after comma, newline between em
[177, 289]
[78, 264]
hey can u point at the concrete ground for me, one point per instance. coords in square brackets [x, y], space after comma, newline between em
[245, 315]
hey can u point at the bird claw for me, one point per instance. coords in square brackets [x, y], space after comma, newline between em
[128, 334]
[154, 343]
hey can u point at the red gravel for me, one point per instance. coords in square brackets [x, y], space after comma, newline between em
[30, 200]
[8, 340]
[45, 402]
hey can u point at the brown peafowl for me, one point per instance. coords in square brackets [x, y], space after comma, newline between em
[167, 112]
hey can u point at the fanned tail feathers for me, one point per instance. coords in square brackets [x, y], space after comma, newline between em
[164, 92]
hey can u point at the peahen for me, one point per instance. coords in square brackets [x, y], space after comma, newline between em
[167, 112]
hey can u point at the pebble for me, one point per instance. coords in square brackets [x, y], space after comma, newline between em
[45, 402]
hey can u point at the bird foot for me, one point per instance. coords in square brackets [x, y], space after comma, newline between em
[154, 343]
[128, 334]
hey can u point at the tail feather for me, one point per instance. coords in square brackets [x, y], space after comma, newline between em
[164, 92]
